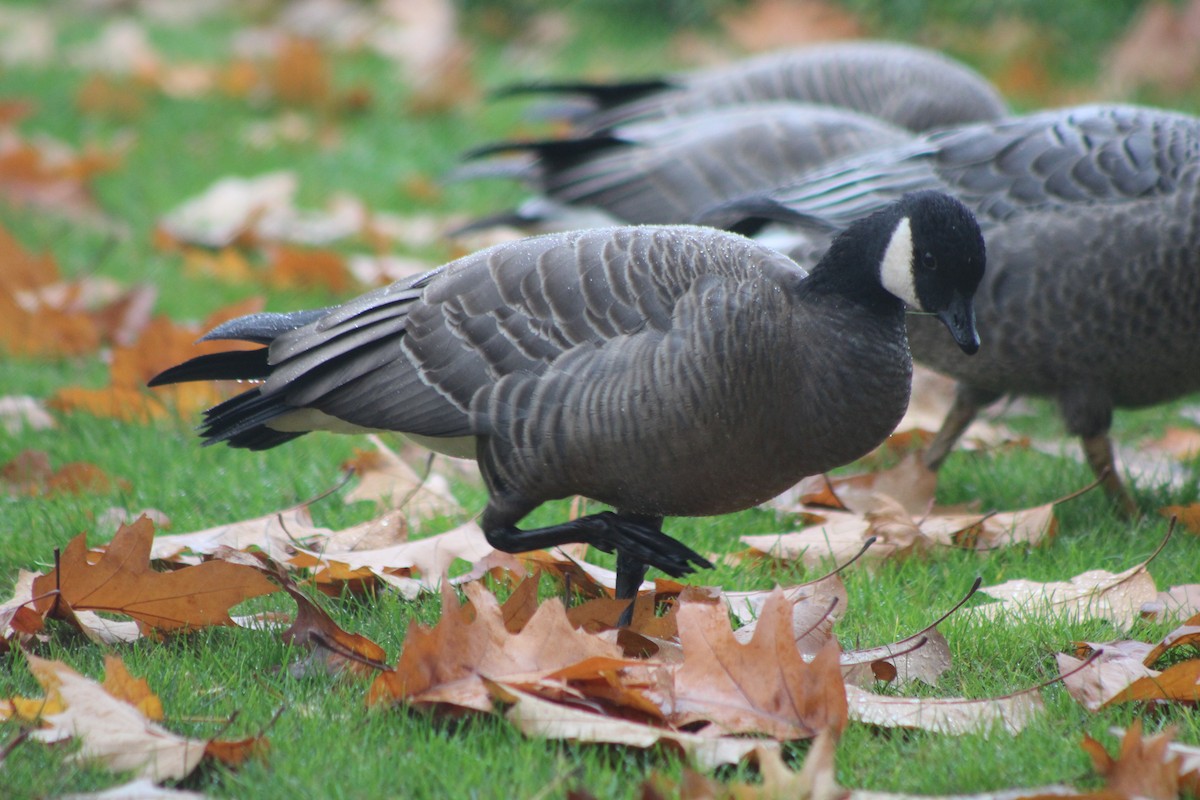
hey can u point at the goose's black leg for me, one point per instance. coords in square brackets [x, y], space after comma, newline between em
[1099, 453]
[967, 402]
[1088, 411]
[633, 537]
[630, 574]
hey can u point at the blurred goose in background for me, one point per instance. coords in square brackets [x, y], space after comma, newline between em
[662, 370]
[908, 86]
[669, 170]
[1092, 220]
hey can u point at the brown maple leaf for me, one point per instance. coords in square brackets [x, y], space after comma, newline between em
[1143, 768]
[122, 582]
[447, 664]
[764, 686]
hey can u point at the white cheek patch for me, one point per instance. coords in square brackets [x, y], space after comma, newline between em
[896, 270]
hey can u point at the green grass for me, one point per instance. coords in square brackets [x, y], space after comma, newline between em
[325, 743]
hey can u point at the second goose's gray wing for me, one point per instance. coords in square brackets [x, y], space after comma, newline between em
[669, 170]
[1051, 160]
[908, 86]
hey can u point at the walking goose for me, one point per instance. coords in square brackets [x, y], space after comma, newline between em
[663, 371]
[669, 170]
[1092, 219]
[908, 86]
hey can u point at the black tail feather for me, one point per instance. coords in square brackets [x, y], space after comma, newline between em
[233, 365]
[555, 153]
[241, 422]
[604, 95]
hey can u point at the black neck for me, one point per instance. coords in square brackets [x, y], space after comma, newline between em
[850, 268]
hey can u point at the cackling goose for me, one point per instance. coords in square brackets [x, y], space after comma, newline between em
[668, 170]
[1092, 219]
[661, 370]
[908, 86]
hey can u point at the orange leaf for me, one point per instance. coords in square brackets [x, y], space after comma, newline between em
[122, 582]
[1179, 683]
[294, 267]
[135, 691]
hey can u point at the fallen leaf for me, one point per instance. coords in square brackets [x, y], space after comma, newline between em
[1095, 594]
[111, 731]
[764, 686]
[1097, 683]
[1177, 683]
[21, 412]
[276, 535]
[447, 664]
[772, 24]
[121, 581]
[949, 715]
[430, 558]
[534, 716]
[1160, 49]
[138, 789]
[162, 344]
[1144, 767]
[386, 479]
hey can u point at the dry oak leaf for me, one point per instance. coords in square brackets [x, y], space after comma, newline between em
[385, 478]
[429, 557]
[1178, 683]
[910, 483]
[122, 582]
[765, 686]
[1093, 686]
[1144, 767]
[18, 620]
[117, 734]
[333, 649]
[534, 716]
[22, 412]
[447, 664]
[277, 535]
[1095, 594]
[950, 715]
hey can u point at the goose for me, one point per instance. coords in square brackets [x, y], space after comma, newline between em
[1092, 219]
[661, 370]
[667, 171]
[909, 86]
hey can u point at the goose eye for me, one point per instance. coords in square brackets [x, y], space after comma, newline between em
[929, 261]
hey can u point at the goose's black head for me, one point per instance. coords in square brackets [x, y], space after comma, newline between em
[934, 261]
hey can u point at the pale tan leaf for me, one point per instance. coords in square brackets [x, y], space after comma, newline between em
[1100, 681]
[110, 731]
[138, 789]
[21, 412]
[1096, 594]
[950, 715]
[102, 630]
[386, 479]
[277, 535]
[534, 716]
[925, 663]
[229, 209]
[430, 557]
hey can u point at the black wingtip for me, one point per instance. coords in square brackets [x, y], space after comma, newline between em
[232, 365]
[749, 215]
[605, 95]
